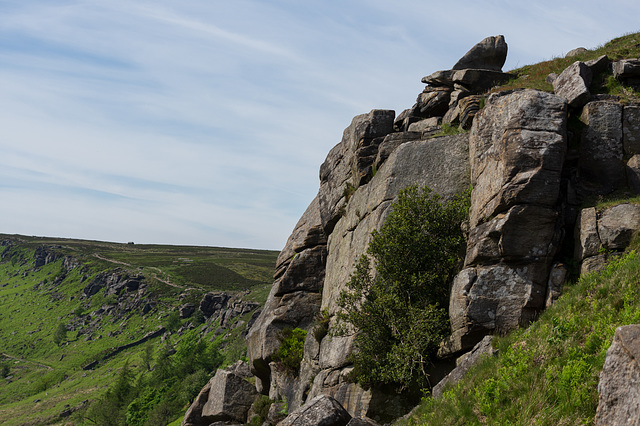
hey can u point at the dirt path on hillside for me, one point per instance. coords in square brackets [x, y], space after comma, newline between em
[25, 360]
[96, 255]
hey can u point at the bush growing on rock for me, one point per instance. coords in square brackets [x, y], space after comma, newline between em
[289, 354]
[399, 308]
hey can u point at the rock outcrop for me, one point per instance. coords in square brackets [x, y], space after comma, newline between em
[525, 219]
[517, 148]
[295, 297]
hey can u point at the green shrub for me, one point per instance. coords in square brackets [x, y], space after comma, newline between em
[289, 354]
[261, 409]
[399, 312]
[60, 334]
[172, 322]
[322, 325]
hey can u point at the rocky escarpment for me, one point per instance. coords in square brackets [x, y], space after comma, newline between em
[531, 167]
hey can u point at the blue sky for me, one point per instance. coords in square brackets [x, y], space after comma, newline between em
[205, 122]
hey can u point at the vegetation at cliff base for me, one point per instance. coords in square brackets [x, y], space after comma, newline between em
[548, 373]
[399, 307]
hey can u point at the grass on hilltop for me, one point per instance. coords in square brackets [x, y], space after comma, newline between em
[533, 76]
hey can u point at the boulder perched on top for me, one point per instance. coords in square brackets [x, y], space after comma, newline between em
[573, 84]
[489, 54]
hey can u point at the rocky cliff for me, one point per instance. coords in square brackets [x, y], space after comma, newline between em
[532, 159]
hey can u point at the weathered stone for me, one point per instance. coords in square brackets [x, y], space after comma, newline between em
[439, 78]
[440, 163]
[426, 125]
[489, 54]
[187, 310]
[341, 168]
[587, 240]
[277, 413]
[297, 309]
[600, 165]
[517, 146]
[617, 225]
[573, 84]
[575, 52]
[400, 123]
[307, 233]
[193, 416]
[391, 142]
[633, 173]
[453, 115]
[362, 421]
[482, 349]
[212, 303]
[240, 368]
[373, 402]
[494, 298]
[557, 278]
[625, 69]
[631, 129]
[551, 78]
[469, 107]
[230, 397]
[619, 393]
[593, 264]
[525, 231]
[434, 101]
[477, 80]
[305, 272]
[320, 411]
[599, 65]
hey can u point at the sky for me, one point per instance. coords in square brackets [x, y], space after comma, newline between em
[204, 122]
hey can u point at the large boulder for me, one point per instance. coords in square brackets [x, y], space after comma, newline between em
[600, 167]
[619, 393]
[193, 416]
[573, 84]
[320, 411]
[489, 54]
[230, 397]
[617, 225]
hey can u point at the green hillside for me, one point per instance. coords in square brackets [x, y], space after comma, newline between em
[108, 295]
[547, 374]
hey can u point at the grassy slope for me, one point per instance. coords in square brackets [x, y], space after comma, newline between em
[548, 373]
[29, 314]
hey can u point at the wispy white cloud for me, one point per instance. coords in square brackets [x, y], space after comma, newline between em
[195, 122]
